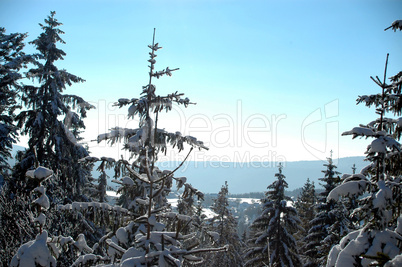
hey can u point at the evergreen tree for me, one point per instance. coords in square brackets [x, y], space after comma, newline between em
[12, 60]
[305, 209]
[225, 224]
[330, 223]
[201, 226]
[272, 240]
[52, 143]
[378, 241]
[351, 202]
[55, 142]
[98, 191]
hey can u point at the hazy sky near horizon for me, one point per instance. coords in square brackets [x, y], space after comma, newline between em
[273, 80]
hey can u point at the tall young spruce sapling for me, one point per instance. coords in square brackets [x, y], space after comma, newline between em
[152, 234]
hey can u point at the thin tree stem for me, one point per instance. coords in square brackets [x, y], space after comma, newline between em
[154, 146]
[151, 66]
[383, 84]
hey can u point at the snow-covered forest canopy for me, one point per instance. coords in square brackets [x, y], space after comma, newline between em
[54, 212]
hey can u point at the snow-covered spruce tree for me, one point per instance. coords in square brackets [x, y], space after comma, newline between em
[225, 225]
[52, 143]
[55, 141]
[97, 191]
[151, 233]
[45, 249]
[378, 241]
[351, 203]
[272, 240]
[304, 205]
[205, 238]
[330, 223]
[12, 60]
[190, 204]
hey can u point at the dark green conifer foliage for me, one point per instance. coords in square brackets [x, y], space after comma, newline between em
[225, 224]
[304, 205]
[272, 240]
[12, 60]
[55, 141]
[330, 223]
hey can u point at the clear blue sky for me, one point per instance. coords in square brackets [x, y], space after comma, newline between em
[273, 80]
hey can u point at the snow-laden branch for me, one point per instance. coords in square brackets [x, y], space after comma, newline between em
[349, 189]
[81, 206]
[135, 138]
[157, 103]
[396, 25]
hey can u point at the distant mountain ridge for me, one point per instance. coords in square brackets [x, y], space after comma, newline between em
[209, 176]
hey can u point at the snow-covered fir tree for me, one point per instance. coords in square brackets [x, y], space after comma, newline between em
[378, 241]
[52, 143]
[147, 232]
[225, 224]
[200, 224]
[304, 205]
[12, 60]
[271, 239]
[55, 141]
[330, 223]
[351, 203]
[96, 189]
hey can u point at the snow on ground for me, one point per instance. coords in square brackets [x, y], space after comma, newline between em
[245, 200]
[112, 194]
[207, 212]
[173, 201]
[112, 197]
[251, 201]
